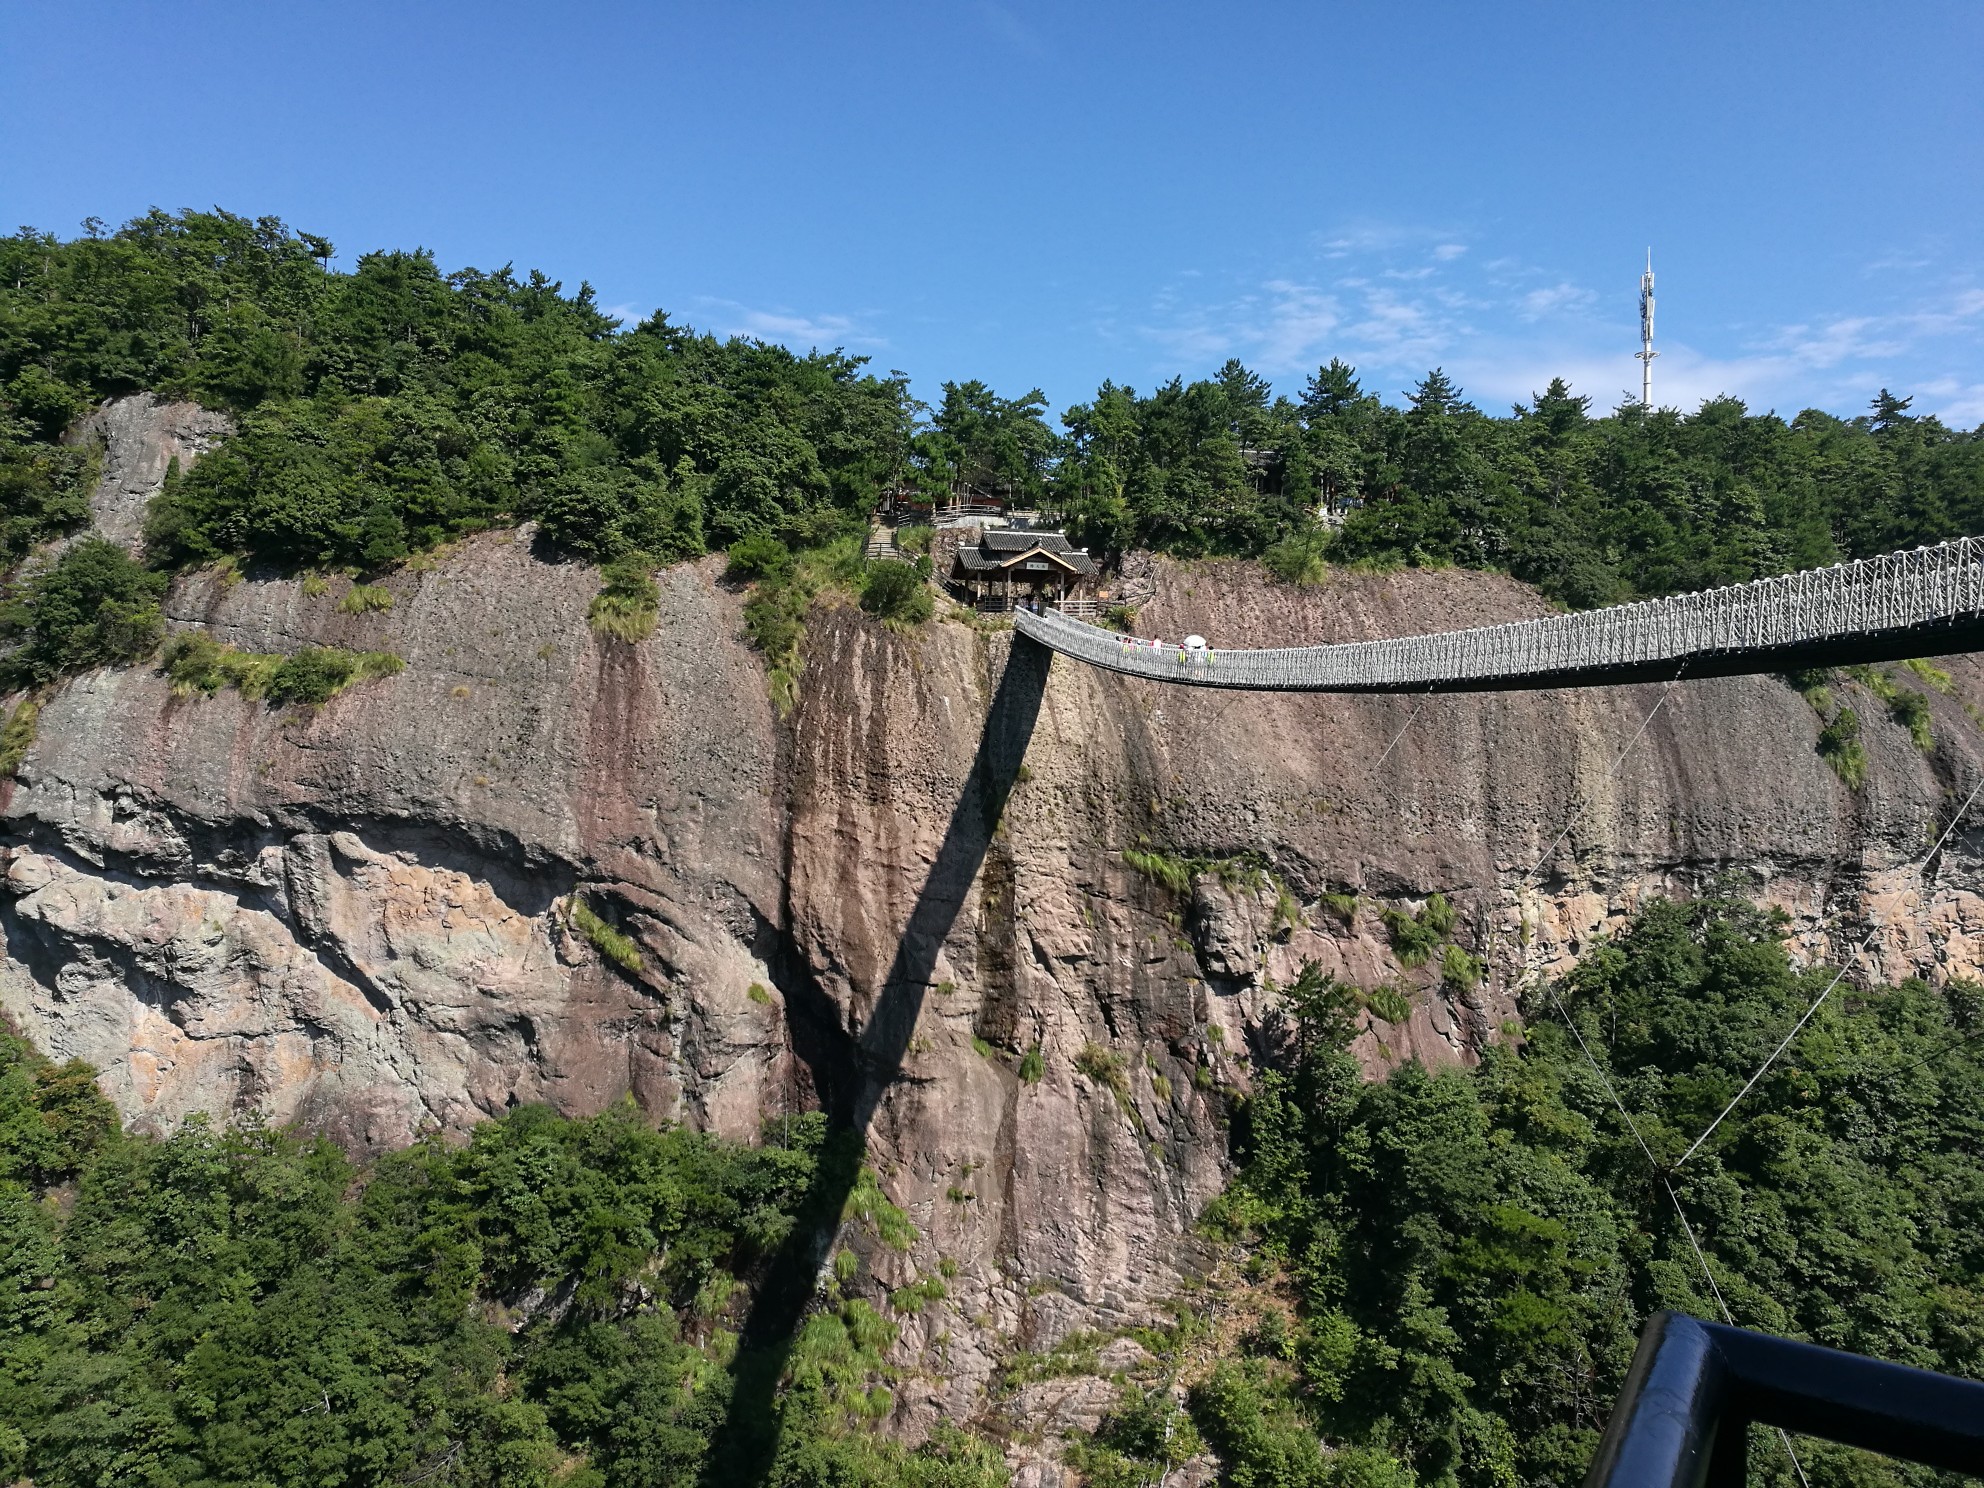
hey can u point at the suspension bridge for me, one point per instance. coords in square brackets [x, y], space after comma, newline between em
[1924, 601]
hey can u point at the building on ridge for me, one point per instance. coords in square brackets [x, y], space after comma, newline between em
[1009, 566]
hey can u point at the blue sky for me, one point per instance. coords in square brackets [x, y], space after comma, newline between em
[1054, 194]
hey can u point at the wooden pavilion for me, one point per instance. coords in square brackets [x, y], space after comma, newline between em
[1009, 566]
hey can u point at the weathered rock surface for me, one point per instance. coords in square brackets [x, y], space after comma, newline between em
[356, 917]
[141, 437]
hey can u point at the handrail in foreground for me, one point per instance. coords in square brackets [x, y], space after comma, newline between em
[1694, 1389]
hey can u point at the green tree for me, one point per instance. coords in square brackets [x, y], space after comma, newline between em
[94, 607]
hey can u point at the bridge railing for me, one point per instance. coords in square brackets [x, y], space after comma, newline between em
[1896, 592]
[1683, 1418]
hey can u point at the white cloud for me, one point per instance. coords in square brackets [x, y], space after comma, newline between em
[789, 328]
[1956, 403]
[1275, 328]
[1555, 300]
[1851, 338]
[1300, 318]
[772, 326]
[1385, 237]
[1396, 329]
[1395, 301]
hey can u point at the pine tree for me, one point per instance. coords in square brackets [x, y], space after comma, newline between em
[1333, 390]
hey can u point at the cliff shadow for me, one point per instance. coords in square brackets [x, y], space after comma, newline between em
[746, 1446]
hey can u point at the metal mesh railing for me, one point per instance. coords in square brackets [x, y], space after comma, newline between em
[1920, 589]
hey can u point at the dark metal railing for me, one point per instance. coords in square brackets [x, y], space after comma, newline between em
[1695, 1389]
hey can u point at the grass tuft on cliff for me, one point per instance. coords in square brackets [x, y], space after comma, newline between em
[868, 1205]
[195, 662]
[17, 736]
[1415, 937]
[784, 584]
[1343, 906]
[1932, 674]
[615, 946]
[1840, 747]
[1174, 873]
[364, 599]
[1459, 970]
[1104, 1067]
[1906, 707]
[1388, 1003]
[628, 605]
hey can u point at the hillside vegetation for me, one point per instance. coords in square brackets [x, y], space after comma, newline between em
[1449, 1268]
[395, 406]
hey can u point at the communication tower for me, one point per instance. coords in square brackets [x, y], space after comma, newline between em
[1646, 352]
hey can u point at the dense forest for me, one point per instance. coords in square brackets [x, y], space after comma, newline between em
[1473, 1253]
[393, 407]
[1447, 1270]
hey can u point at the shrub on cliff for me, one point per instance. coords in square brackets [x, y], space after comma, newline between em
[53, 1119]
[44, 489]
[785, 584]
[895, 591]
[1300, 558]
[628, 604]
[316, 674]
[1840, 746]
[196, 663]
[759, 556]
[17, 735]
[95, 607]
[1415, 937]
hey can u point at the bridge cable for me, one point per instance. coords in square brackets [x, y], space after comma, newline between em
[1680, 1213]
[1401, 733]
[1819, 1002]
[1632, 1126]
[1571, 821]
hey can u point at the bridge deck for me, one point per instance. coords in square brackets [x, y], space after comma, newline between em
[1922, 602]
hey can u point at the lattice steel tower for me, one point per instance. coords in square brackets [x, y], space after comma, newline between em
[1646, 352]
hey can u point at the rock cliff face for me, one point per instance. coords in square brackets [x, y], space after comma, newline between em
[357, 917]
[141, 437]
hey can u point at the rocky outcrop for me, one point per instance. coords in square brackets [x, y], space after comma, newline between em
[388, 873]
[909, 900]
[141, 437]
